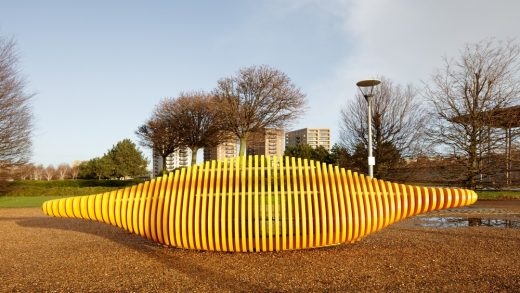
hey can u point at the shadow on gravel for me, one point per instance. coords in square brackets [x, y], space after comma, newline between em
[217, 279]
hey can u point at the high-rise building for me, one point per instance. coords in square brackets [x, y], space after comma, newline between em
[227, 149]
[311, 136]
[179, 158]
[269, 142]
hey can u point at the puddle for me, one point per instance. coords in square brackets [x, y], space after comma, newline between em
[453, 222]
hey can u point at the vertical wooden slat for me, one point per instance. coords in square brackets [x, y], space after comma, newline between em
[368, 205]
[117, 207]
[322, 206]
[361, 206]
[157, 220]
[166, 209]
[381, 202]
[256, 206]
[211, 197]
[237, 196]
[204, 209]
[159, 184]
[342, 203]
[288, 196]
[145, 195]
[335, 207]
[270, 204]
[217, 196]
[309, 197]
[303, 210]
[350, 208]
[178, 208]
[130, 216]
[224, 210]
[187, 208]
[263, 214]
[172, 216]
[243, 214]
[315, 205]
[232, 195]
[328, 205]
[283, 217]
[296, 205]
[276, 206]
[197, 217]
[249, 235]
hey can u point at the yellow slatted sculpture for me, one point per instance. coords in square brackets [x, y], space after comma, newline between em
[258, 204]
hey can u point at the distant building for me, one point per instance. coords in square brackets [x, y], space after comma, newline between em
[311, 136]
[269, 142]
[179, 158]
[227, 149]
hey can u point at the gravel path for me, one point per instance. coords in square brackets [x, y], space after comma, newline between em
[40, 253]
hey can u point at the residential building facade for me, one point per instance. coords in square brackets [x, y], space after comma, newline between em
[311, 136]
[227, 149]
[269, 142]
[179, 158]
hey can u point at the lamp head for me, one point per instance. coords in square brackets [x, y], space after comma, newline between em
[367, 87]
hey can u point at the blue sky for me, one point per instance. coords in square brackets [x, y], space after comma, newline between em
[98, 68]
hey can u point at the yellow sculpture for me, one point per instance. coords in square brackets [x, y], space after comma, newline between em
[258, 204]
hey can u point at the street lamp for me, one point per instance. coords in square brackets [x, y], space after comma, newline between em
[367, 87]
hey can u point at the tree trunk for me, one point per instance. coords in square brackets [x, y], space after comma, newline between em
[164, 171]
[194, 151]
[243, 145]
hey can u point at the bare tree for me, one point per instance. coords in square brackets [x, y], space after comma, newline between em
[15, 112]
[466, 92]
[197, 120]
[37, 172]
[74, 169]
[62, 171]
[25, 171]
[49, 172]
[159, 133]
[258, 97]
[397, 122]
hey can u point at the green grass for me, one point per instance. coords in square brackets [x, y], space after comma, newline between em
[64, 187]
[487, 195]
[28, 193]
[24, 201]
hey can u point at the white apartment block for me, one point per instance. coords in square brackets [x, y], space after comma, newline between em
[269, 142]
[227, 149]
[311, 136]
[179, 158]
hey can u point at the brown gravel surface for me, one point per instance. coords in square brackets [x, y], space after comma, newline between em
[40, 253]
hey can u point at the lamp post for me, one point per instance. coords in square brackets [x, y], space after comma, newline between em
[367, 87]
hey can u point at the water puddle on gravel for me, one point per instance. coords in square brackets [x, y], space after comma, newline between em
[453, 222]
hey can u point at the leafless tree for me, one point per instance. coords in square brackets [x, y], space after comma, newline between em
[258, 97]
[62, 171]
[15, 111]
[159, 133]
[37, 172]
[74, 169]
[466, 92]
[198, 121]
[397, 122]
[25, 171]
[49, 172]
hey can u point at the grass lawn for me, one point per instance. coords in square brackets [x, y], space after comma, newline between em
[29, 193]
[24, 201]
[485, 195]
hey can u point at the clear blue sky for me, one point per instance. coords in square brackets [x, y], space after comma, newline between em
[98, 68]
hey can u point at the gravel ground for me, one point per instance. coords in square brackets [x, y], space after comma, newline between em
[40, 253]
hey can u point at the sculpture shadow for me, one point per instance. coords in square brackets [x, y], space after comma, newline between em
[167, 256]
